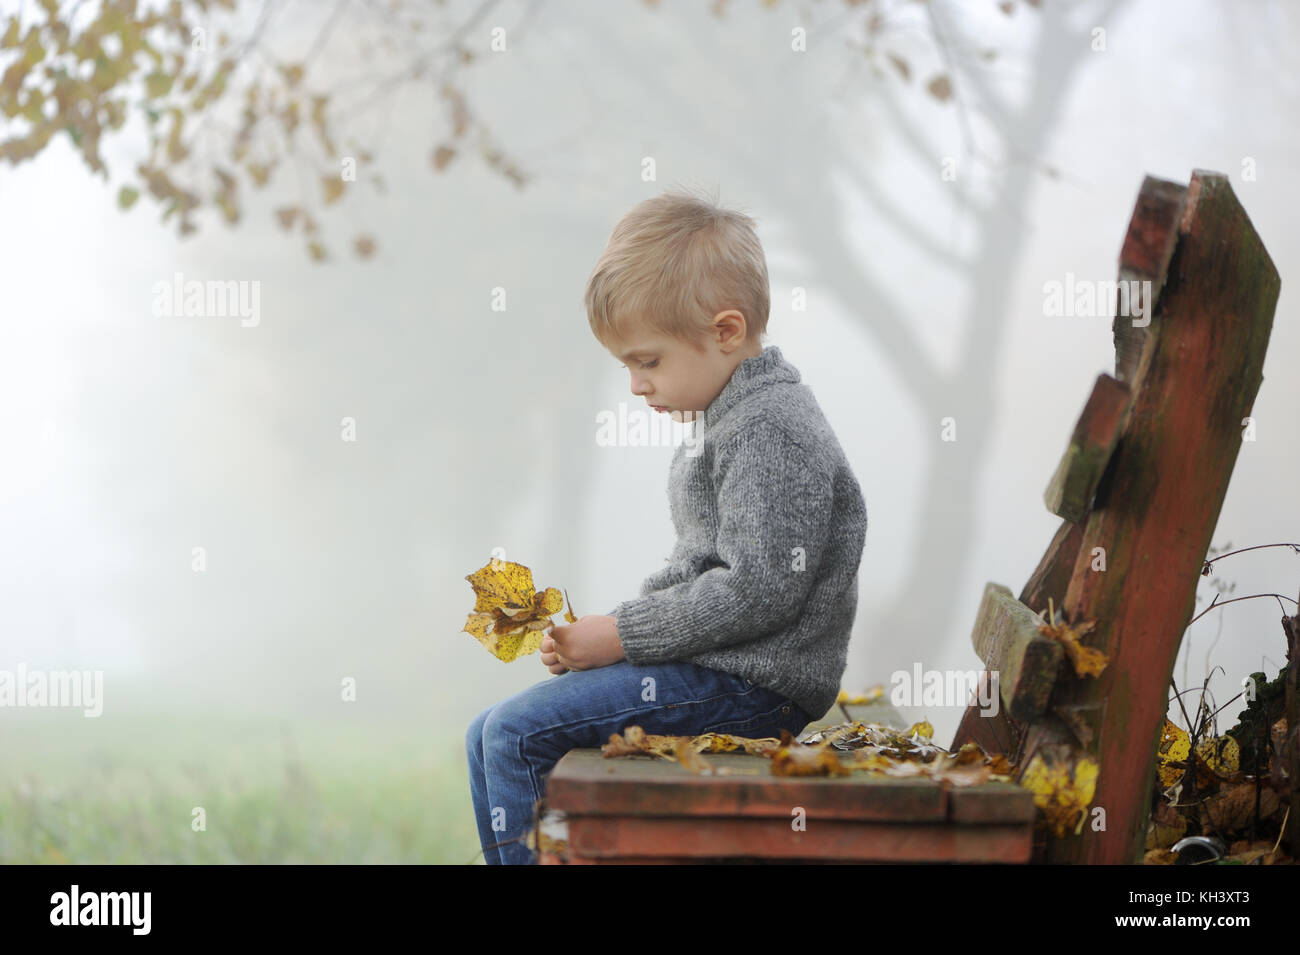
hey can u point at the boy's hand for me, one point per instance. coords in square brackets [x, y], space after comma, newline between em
[590, 643]
[550, 659]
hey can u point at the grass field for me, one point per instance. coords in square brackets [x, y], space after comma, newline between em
[75, 790]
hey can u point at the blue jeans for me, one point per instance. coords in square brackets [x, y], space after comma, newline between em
[514, 745]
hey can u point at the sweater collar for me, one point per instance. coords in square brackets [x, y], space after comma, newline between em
[753, 374]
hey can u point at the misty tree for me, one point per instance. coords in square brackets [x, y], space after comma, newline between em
[227, 113]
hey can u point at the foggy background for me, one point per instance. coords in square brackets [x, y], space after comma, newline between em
[131, 439]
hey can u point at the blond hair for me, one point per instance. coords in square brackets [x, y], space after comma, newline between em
[671, 264]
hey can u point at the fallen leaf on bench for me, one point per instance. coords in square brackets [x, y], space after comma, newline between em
[634, 741]
[690, 759]
[857, 699]
[1062, 792]
[1087, 661]
[912, 743]
[1001, 766]
[509, 615]
[967, 767]
[799, 759]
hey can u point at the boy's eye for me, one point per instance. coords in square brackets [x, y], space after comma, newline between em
[649, 364]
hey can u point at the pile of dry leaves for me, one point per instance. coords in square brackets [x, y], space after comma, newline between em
[838, 750]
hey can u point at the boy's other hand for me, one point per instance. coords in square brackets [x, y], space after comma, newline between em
[590, 643]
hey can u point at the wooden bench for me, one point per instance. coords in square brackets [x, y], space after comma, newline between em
[1139, 491]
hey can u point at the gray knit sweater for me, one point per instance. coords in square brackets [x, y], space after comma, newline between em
[763, 580]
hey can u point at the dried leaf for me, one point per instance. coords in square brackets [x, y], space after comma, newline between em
[332, 186]
[442, 156]
[1086, 660]
[940, 88]
[900, 64]
[1171, 754]
[509, 615]
[1217, 758]
[856, 699]
[1167, 826]
[1260, 852]
[797, 759]
[1061, 792]
[920, 729]
[538, 841]
[634, 741]
[1159, 857]
[1232, 809]
[690, 759]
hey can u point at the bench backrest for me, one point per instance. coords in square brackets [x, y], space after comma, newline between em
[1139, 490]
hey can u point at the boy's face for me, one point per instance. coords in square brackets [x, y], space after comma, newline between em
[676, 378]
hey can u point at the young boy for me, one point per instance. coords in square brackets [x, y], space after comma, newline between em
[746, 629]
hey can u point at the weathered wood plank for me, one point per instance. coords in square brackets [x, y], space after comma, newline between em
[990, 803]
[1000, 733]
[1194, 383]
[612, 837]
[584, 782]
[1070, 492]
[1052, 575]
[1006, 638]
[1148, 247]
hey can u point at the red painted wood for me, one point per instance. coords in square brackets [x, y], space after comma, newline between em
[1196, 380]
[603, 837]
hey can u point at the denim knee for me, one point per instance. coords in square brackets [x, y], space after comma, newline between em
[474, 735]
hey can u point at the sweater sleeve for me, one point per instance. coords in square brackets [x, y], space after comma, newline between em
[661, 578]
[774, 507]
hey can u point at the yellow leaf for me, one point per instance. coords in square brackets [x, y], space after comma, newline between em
[333, 188]
[634, 741]
[1061, 792]
[1171, 757]
[509, 614]
[920, 729]
[852, 699]
[1086, 660]
[1221, 756]
[798, 759]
